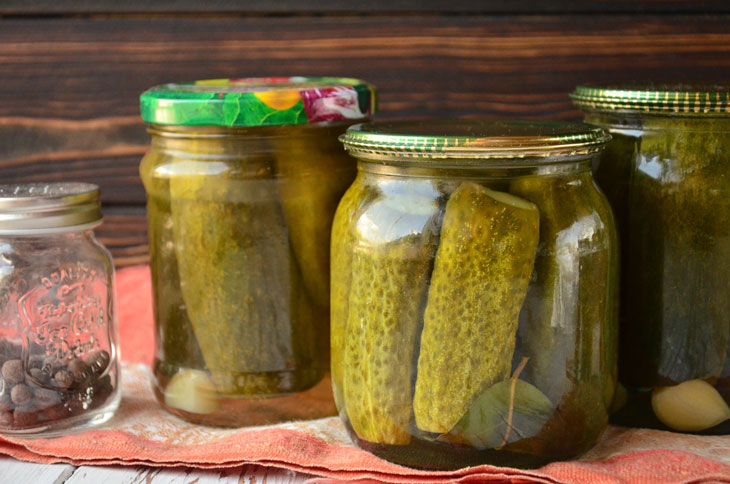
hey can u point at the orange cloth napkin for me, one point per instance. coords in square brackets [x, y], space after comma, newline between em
[142, 433]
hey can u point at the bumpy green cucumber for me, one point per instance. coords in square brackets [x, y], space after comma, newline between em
[481, 273]
[238, 278]
[343, 238]
[568, 324]
[314, 172]
[391, 264]
[177, 345]
[569, 314]
[679, 245]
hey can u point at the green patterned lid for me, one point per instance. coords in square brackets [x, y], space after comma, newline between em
[476, 139]
[667, 98]
[262, 101]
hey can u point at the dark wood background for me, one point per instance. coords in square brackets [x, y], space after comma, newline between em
[71, 71]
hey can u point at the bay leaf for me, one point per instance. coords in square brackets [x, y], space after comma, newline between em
[487, 421]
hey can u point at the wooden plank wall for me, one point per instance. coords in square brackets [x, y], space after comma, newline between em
[71, 71]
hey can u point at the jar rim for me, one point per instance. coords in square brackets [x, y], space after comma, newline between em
[43, 207]
[259, 101]
[473, 140]
[672, 98]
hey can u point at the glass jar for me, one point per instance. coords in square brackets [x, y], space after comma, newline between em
[243, 178]
[667, 174]
[474, 279]
[58, 333]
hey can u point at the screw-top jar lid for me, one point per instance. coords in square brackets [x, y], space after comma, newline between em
[679, 99]
[48, 207]
[263, 101]
[472, 139]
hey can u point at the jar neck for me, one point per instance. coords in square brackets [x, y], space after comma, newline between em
[470, 169]
[51, 238]
[218, 142]
[628, 121]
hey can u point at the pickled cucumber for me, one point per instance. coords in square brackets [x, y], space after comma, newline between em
[237, 276]
[177, 346]
[391, 265]
[568, 323]
[343, 238]
[679, 245]
[314, 172]
[480, 277]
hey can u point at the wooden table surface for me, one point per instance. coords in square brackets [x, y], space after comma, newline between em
[16, 472]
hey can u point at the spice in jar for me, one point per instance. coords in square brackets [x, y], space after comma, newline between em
[58, 357]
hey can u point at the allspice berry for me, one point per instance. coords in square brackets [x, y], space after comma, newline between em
[35, 362]
[25, 416]
[12, 371]
[63, 379]
[37, 375]
[44, 398]
[58, 412]
[6, 403]
[21, 394]
[50, 364]
[6, 418]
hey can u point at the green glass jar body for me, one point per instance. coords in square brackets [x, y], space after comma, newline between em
[473, 310]
[239, 230]
[668, 179]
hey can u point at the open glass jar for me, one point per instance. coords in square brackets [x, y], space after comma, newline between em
[58, 334]
[243, 178]
[667, 174]
[474, 279]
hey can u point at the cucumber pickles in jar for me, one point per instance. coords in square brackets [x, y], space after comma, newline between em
[474, 281]
[243, 177]
[666, 173]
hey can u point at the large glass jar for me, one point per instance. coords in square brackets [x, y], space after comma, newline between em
[667, 174]
[474, 279]
[243, 178]
[58, 334]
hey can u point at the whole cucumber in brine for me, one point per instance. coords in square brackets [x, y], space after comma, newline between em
[391, 263]
[343, 239]
[238, 277]
[313, 172]
[177, 345]
[481, 272]
[679, 245]
[568, 325]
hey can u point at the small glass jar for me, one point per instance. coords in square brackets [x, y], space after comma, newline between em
[58, 333]
[243, 178]
[474, 279]
[667, 174]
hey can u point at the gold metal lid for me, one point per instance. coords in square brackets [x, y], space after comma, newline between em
[48, 207]
[472, 139]
[666, 98]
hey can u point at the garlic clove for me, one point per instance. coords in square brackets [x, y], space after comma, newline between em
[192, 391]
[691, 406]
